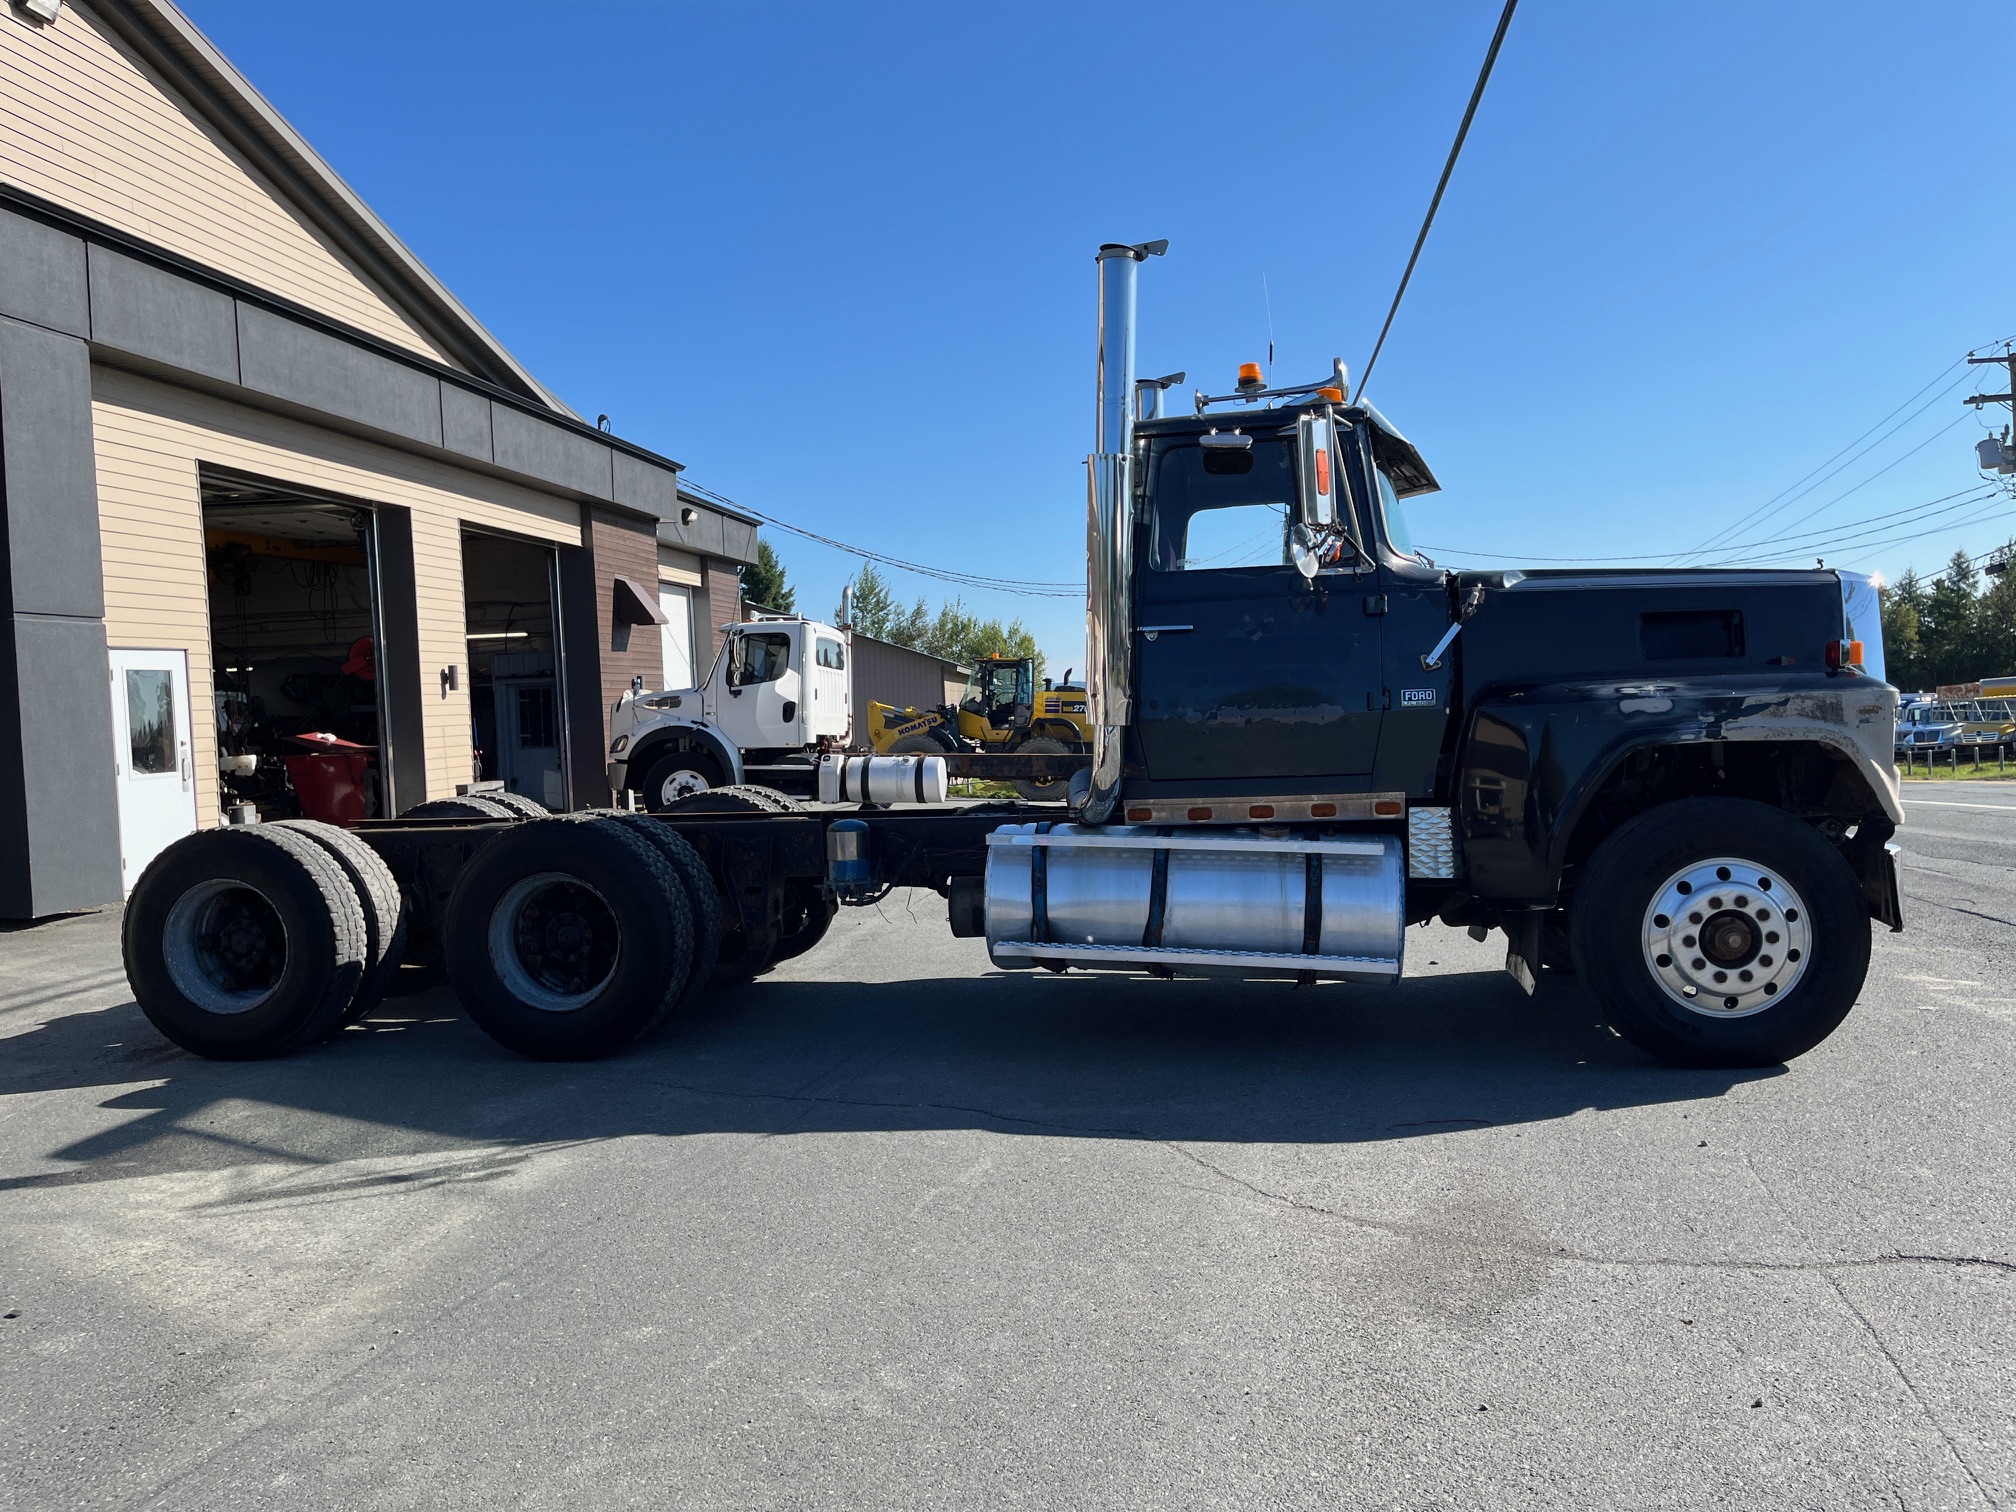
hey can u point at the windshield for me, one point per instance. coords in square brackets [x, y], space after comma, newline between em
[1000, 686]
[1398, 535]
[1206, 521]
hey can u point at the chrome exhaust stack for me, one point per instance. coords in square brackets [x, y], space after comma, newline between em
[1109, 528]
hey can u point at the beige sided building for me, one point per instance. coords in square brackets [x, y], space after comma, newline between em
[265, 478]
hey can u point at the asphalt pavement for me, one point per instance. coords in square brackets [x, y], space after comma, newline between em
[891, 1229]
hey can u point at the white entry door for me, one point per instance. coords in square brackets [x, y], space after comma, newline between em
[151, 741]
[677, 632]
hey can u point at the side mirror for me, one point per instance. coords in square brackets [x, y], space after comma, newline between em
[1302, 550]
[1316, 460]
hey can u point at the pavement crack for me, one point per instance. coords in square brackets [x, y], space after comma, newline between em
[1563, 1253]
[1390, 1227]
[1911, 1388]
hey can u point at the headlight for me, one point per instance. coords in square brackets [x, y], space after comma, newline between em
[616, 746]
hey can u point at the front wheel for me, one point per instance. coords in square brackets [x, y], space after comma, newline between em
[1719, 932]
[679, 774]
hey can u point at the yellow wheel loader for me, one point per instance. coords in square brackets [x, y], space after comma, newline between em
[1002, 710]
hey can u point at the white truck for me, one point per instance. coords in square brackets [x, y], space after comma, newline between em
[778, 696]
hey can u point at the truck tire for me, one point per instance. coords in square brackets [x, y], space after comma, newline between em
[740, 798]
[1040, 788]
[243, 943]
[778, 801]
[384, 909]
[1720, 932]
[472, 806]
[516, 803]
[696, 886]
[567, 940]
[673, 775]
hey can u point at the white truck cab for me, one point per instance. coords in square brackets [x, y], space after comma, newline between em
[778, 691]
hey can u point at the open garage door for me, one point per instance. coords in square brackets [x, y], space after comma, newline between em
[294, 630]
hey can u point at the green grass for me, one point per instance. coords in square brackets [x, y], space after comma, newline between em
[1992, 770]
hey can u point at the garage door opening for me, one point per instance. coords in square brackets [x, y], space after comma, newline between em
[293, 640]
[514, 696]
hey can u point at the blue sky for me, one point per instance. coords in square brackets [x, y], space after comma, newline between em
[837, 260]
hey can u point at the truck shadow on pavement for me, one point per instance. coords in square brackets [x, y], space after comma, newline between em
[1072, 1056]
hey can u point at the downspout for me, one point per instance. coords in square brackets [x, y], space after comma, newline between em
[1109, 530]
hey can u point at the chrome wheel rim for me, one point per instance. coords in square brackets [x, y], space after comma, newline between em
[554, 941]
[1726, 938]
[224, 945]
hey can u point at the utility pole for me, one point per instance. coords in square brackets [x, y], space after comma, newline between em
[1996, 455]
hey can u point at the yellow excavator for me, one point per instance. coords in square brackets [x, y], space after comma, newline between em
[1002, 710]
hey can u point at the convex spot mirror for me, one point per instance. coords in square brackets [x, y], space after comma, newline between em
[1316, 462]
[1226, 453]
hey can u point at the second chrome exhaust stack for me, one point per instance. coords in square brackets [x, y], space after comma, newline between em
[1109, 528]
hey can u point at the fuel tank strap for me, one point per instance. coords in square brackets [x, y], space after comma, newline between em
[1312, 904]
[1158, 899]
[1039, 889]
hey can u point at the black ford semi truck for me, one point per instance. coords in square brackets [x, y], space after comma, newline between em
[1677, 785]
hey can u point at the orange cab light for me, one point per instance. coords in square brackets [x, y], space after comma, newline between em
[1249, 372]
[1334, 395]
[1386, 807]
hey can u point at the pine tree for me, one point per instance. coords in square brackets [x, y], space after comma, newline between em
[954, 633]
[763, 582]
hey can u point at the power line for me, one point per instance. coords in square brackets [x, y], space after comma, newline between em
[1796, 492]
[1804, 485]
[1853, 530]
[1862, 548]
[1910, 513]
[973, 580]
[1477, 94]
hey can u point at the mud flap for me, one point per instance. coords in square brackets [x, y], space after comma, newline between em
[1875, 863]
[1523, 936]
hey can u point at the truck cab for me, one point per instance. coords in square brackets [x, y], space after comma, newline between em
[778, 690]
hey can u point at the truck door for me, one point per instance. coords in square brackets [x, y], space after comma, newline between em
[760, 704]
[1246, 669]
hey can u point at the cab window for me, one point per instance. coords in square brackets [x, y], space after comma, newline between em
[1207, 520]
[830, 653]
[758, 658]
[1398, 535]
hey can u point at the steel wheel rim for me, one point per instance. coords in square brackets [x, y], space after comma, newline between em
[554, 941]
[225, 946]
[683, 783]
[1726, 938]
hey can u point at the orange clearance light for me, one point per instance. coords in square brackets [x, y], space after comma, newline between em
[1334, 395]
[1249, 375]
[1323, 472]
[1260, 811]
[1854, 653]
[1140, 815]
[1386, 807]
[1843, 654]
[1200, 813]
[1322, 811]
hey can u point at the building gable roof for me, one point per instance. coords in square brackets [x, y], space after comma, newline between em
[207, 82]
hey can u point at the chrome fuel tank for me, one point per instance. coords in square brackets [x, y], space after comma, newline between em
[1220, 903]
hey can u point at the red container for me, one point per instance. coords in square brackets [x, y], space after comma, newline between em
[331, 782]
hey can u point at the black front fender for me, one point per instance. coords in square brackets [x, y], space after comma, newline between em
[1532, 760]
